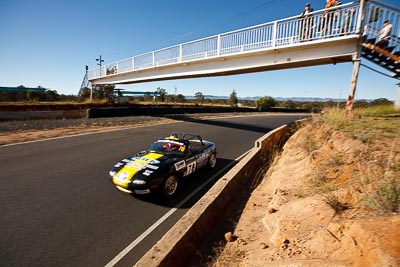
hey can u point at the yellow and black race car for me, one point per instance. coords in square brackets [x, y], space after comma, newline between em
[164, 164]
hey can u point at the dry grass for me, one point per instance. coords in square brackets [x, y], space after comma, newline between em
[223, 256]
[379, 176]
[384, 194]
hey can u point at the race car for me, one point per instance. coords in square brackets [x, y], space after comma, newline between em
[163, 165]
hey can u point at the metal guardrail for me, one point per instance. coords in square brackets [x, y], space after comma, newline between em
[343, 20]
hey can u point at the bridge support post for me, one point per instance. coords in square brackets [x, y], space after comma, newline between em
[353, 85]
[356, 59]
[397, 102]
[91, 94]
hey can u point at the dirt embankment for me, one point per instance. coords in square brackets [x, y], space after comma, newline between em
[328, 200]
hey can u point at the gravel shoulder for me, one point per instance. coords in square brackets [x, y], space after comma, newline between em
[24, 131]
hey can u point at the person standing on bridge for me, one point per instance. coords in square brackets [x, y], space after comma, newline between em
[329, 17]
[306, 24]
[347, 21]
[384, 35]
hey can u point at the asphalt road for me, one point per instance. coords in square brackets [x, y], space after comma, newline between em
[59, 207]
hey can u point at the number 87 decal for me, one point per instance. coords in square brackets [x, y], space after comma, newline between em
[191, 167]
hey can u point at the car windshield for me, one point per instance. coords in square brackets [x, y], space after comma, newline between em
[168, 147]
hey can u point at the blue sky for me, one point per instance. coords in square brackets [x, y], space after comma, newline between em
[49, 42]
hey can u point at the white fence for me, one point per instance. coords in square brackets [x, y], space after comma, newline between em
[334, 22]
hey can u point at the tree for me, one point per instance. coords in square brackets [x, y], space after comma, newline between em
[233, 100]
[162, 92]
[248, 103]
[199, 97]
[180, 98]
[109, 91]
[289, 104]
[84, 93]
[171, 98]
[32, 95]
[51, 95]
[6, 96]
[20, 96]
[147, 97]
[362, 103]
[381, 101]
[265, 102]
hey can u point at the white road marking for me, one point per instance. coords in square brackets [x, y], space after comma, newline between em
[168, 214]
[83, 134]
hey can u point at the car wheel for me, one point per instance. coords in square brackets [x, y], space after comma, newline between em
[170, 186]
[212, 161]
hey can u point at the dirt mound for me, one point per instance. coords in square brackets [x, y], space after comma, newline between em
[323, 202]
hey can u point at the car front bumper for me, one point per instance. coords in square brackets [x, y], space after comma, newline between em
[136, 189]
[132, 191]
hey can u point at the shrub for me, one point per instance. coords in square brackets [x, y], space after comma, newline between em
[265, 102]
[333, 201]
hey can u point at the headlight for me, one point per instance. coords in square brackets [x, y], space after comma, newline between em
[112, 173]
[138, 182]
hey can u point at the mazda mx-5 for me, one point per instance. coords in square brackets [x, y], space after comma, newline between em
[164, 164]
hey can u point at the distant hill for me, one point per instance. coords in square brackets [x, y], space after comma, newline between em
[297, 99]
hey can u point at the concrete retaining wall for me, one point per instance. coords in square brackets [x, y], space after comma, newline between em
[179, 244]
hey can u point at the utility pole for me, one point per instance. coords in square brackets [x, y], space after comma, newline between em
[175, 93]
[100, 60]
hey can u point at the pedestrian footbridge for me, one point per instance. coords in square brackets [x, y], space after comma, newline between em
[335, 35]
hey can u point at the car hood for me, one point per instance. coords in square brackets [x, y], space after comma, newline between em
[142, 167]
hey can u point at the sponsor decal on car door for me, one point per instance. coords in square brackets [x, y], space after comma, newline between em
[190, 166]
[201, 159]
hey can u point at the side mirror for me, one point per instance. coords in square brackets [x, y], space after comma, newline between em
[141, 153]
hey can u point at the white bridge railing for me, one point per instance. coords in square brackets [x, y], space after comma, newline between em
[376, 13]
[335, 22]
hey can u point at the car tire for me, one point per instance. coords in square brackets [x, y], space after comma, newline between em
[212, 161]
[170, 186]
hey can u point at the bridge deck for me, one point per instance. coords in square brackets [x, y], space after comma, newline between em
[323, 37]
